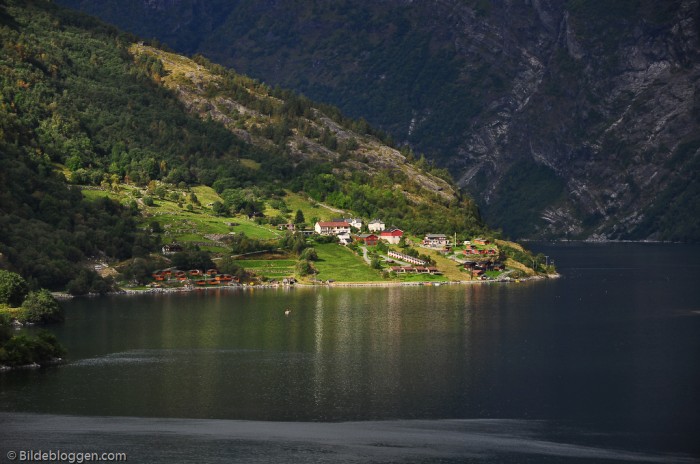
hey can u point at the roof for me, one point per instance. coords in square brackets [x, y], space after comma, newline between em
[429, 236]
[368, 235]
[376, 221]
[392, 231]
[334, 224]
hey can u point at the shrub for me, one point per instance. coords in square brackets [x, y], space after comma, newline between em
[22, 349]
[41, 308]
[304, 268]
[87, 281]
[13, 288]
[309, 254]
[192, 259]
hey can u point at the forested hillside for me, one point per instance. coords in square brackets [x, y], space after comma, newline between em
[82, 105]
[574, 118]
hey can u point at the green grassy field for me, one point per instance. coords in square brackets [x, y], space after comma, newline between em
[9, 311]
[95, 194]
[310, 209]
[338, 263]
[183, 225]
[270, 268]
[190, 222]
[420, 278]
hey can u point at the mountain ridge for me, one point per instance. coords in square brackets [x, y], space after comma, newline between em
[594, 102]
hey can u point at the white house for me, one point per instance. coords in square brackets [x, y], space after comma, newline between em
[436, 240]
[376, 225]
[406, 258]
[344, 238]
[355, 223]
[332, 228]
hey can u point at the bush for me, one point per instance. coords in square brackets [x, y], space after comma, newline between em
[13, 288]
[41, 308]
[21, 349]
[304, 268]
[326, 239]
[139, 270]
[219, 209]
[192, 259]
[229, 265]
[87, 281]
[309, 254]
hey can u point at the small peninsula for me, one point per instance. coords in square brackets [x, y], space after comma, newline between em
[127, 166]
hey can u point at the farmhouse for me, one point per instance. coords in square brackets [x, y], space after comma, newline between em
[392, 235]
[376, 225]
[436, 240]
[368, 239]
[355, 223]
[406, 258]
[481, 241]
[332, 228]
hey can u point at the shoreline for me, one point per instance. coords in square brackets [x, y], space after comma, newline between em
[600, 241]
[147, 291]
[34, 365]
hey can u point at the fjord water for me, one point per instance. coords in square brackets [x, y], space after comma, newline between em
[600, 364]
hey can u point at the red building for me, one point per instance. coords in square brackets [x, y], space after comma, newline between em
[368, 239]
[392, 235]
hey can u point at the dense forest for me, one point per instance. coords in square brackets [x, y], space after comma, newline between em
[78, 108]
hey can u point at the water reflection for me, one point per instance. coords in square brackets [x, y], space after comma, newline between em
[590, 347]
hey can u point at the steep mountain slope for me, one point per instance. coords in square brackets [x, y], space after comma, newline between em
[570, 119]
[82, 103]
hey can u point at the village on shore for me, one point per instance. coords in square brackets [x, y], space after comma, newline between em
[391, 255]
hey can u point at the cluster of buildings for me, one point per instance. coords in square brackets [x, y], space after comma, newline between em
[197, 277]
[414, 270]
[478, 269]
[436, 241]
[343, 229]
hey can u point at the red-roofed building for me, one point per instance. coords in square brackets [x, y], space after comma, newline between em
[332, 228]
[392, 235]
[368, 239]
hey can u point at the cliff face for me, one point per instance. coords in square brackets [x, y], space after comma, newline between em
[573, 119]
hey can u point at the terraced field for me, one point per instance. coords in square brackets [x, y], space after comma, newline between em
[270, 268]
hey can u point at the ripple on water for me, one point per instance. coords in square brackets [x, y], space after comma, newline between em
[164, 356]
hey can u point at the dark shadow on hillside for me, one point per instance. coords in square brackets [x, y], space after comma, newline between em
[6, 19]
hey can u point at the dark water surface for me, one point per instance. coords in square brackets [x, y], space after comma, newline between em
[601, 365]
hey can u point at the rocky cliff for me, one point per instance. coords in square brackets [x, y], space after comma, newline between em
[574, 119]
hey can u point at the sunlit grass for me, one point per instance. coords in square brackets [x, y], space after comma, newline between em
[341, 264]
